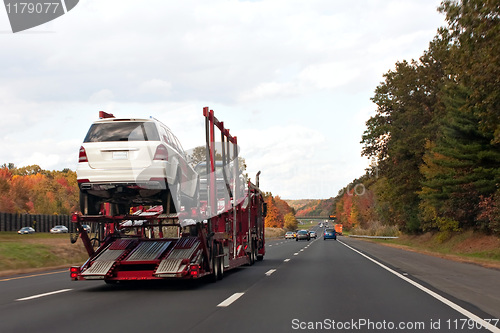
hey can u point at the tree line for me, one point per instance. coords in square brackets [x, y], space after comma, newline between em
[435, 138]
[279, 213]
[32, 190]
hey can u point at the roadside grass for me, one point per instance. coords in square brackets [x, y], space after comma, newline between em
[274, 233]
[377, 229]
[306, 225]
[39, 250]
[467, 246]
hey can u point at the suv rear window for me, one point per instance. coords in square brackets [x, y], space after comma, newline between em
[122, 131]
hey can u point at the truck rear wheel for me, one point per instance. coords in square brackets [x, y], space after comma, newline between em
[221, 262]
[215, 264]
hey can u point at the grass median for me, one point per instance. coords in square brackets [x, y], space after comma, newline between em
[467, 246]
[28, 253]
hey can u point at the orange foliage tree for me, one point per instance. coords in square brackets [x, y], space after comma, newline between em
[35, 191]
[274, 218]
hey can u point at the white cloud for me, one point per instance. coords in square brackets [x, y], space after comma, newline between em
[156, 87]
[329, 75]
[291, 78]
[102, 96]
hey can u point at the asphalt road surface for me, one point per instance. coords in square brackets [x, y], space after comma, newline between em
[343, 286]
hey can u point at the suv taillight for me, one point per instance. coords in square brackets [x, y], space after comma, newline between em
[82, 157]
[161, 153]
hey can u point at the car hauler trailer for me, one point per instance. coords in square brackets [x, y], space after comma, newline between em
[220, 234]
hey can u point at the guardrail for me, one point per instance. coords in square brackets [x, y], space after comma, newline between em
[41, 223]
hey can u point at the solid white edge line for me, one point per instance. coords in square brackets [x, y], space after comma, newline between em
[271, 271]
[42, 295]
[230, 300]
[452, 305]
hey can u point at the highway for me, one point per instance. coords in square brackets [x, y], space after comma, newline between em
[346, 285]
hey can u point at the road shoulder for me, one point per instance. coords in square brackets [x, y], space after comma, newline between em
[468, 282]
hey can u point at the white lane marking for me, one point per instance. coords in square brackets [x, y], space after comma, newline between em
[452, 305]
[269, 272]
[296, 254]
[230, 300]
[42, 295]
[301, 250]
[270, 245]
[286, 260]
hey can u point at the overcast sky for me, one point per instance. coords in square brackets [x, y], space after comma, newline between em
[292, 79]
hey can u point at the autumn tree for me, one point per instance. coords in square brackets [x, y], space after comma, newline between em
[436, 133]
[33, 190]
[290, 222]
[274, 218]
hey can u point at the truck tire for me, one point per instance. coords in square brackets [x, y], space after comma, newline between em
[95, 243]
[171, 199]
[215, 264]
[253, 254]
[221, 262]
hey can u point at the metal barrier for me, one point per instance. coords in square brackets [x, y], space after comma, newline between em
[41, 223]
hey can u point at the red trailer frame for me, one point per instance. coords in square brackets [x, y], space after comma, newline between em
[206, 241]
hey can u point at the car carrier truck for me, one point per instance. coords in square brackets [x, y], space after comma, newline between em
[154, 243]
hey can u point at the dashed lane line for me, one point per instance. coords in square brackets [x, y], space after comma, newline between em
[43, 295]
[271, 271]
[228, 301]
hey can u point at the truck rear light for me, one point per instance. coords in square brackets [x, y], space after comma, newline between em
[194, 271]
[161, 153]
[74, 271]
[82, 157]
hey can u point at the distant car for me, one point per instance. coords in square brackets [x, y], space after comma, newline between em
[321, 225]
[330, 234]
[290, 234]
[86, 227]
[313, 234]
[303, 234]
[26, 230]
[59, 229]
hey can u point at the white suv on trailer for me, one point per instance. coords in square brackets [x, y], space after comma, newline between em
[132, 162]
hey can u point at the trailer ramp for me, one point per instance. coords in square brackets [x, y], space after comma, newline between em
[178, 258]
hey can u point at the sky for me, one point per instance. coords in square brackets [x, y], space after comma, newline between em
[292, 79]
